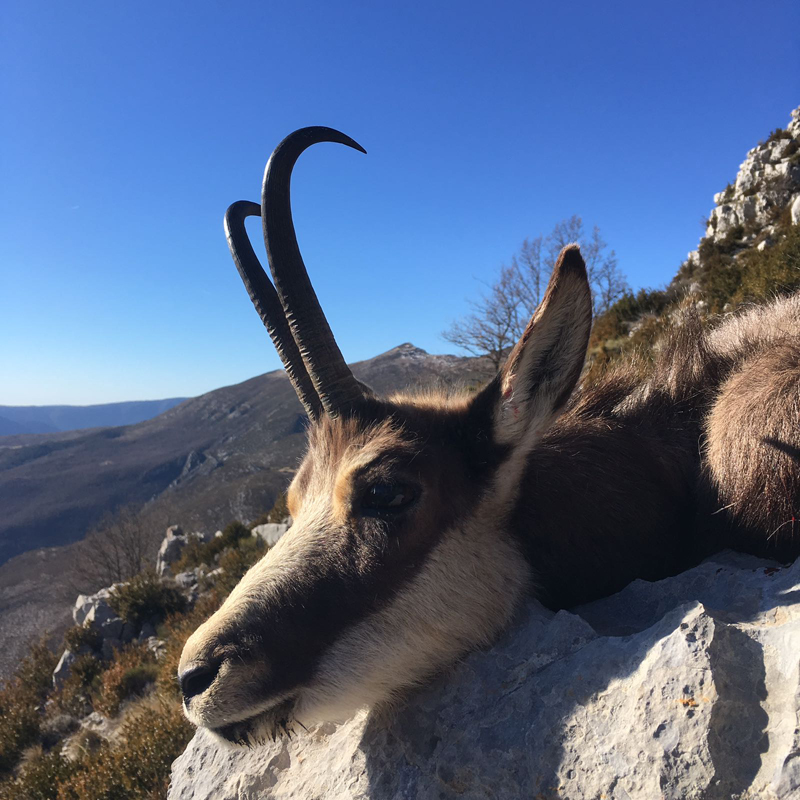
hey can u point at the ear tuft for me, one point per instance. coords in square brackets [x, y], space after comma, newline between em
[570, 258]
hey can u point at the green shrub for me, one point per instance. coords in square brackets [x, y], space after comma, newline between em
[194, 554]
[39, 778]
[20, 699]
[232, 533]
[769, 272]
[779, 133]
[197, 553]
[20, 721]
[278, 512]
[145, 598]
[236, 561]
[35, 672]
[138, 767]
[614, 323]
[79, 637]
[74, 695]
[131, 672]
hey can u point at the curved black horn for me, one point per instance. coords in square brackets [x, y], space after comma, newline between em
[335, 384]
[267, 304]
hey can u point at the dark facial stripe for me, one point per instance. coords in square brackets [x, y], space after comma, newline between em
[366, 561]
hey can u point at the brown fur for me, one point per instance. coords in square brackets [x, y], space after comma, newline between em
[753, 451]
[526, 487]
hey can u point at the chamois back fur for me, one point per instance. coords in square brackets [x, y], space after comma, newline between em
[657, 464]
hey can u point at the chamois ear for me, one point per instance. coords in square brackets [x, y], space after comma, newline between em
[541, 371]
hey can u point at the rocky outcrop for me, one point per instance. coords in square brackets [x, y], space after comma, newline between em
[172, 546]
[683, 688]
[768, 182]
[92, 604]
[270, 532]
[63, 668]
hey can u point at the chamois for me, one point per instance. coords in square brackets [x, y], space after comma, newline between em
[422, 520]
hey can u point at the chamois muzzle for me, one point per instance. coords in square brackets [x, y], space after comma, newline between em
[290, 309]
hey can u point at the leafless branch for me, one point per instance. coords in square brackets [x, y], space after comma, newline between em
[499, 318]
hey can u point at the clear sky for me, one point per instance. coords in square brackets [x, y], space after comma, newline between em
[127, 128]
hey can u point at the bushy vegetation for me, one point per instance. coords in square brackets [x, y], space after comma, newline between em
[728, 273]
[81, 637]
[45, 751]
[616, 322]
[145, 598]
[20, 698]
[770, 272]
[198, 553]
[133, 670]
[237, 560]
[277, 514]
[137, 768]
[777, 134]
[74, 695]
[41, 776]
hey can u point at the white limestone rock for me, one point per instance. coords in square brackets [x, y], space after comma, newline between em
[796, 211]
[172, 546]
[684, 688]
[158, 647]
[85, 603]
[270, 532]
[104, 619]
[767, 182]
[63, 668]
[186, 580]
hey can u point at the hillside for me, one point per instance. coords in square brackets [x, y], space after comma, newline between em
[49, 419]
[750, 252]
[222, 455]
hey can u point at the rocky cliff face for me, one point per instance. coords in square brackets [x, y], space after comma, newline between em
[764, 196]
[683, 688]
[768, 181]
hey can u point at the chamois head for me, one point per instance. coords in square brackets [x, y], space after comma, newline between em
[401, 556]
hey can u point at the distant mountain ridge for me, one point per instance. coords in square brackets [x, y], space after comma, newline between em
[50, 419]
[213, 458]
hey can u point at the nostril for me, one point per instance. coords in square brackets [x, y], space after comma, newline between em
[196, 680]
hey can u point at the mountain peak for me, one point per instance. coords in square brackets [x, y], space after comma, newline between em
[405, 349]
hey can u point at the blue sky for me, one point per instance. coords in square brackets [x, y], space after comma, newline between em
[128, 128]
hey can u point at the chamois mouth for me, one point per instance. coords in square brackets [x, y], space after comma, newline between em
[274, 723]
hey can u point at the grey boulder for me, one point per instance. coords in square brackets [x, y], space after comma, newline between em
[84, 604]
[172, 546]
[63, 668]
[270, 532]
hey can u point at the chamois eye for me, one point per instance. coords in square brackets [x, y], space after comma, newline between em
[387, 498]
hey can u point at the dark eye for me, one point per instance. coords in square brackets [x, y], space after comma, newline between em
[387, 498]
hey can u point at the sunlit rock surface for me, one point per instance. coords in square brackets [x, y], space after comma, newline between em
[684, 688]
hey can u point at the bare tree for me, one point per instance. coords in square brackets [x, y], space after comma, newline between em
[530, 276]
[499, 318]
[607, 281]
[493, 322]
[118, 547]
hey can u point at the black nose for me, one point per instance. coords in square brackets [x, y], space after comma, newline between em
[196, 680]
